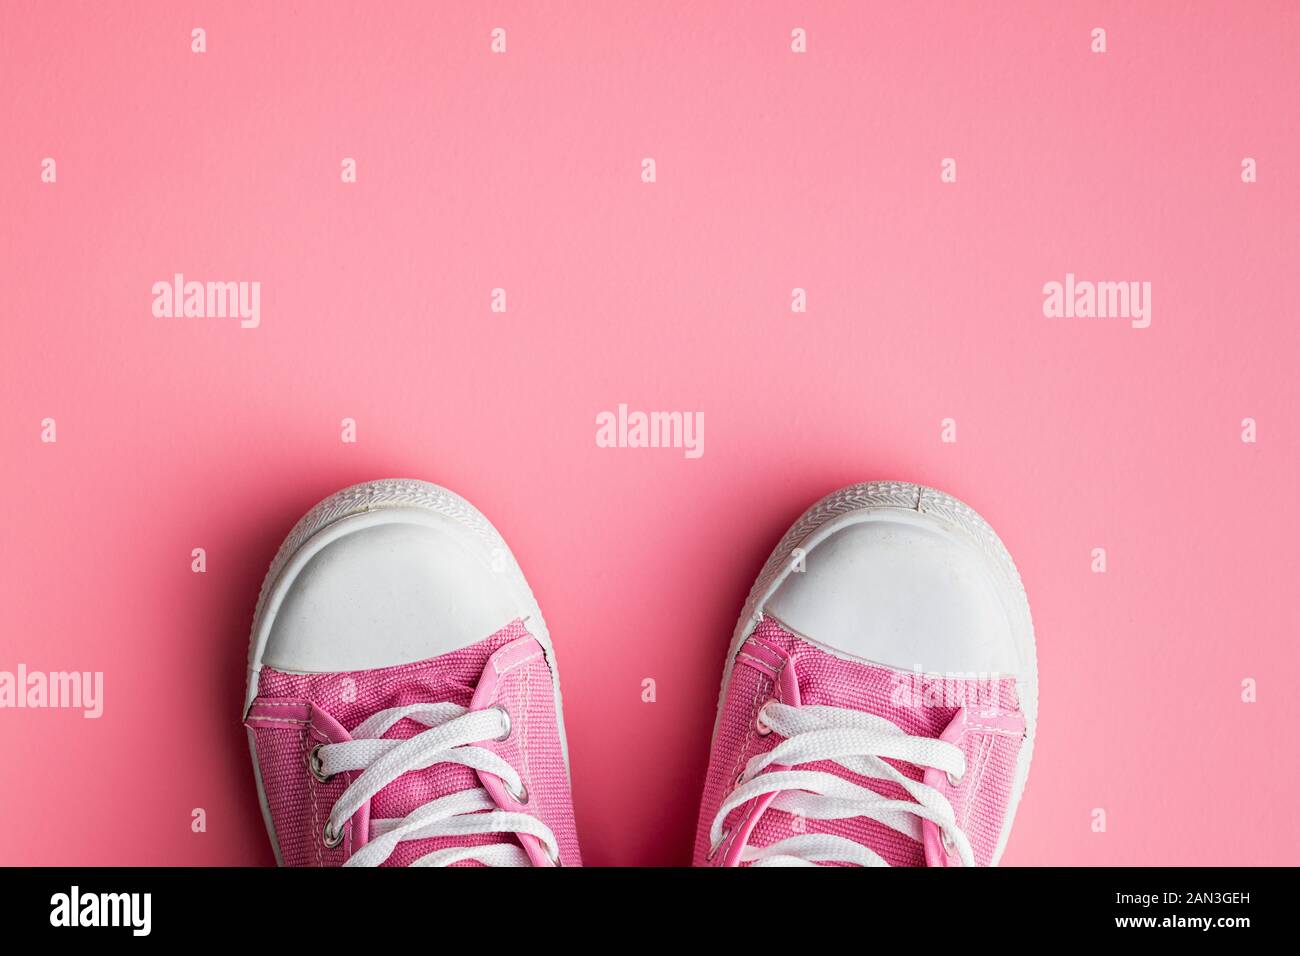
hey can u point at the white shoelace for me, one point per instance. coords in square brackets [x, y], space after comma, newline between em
[452, 732]
[856, 741]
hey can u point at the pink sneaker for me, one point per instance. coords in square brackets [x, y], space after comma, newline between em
[879, 697]
[403, 706]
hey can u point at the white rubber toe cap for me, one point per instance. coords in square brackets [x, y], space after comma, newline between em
[383, 588]
[904, 589]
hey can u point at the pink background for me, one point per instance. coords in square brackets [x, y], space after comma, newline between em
[775, 170]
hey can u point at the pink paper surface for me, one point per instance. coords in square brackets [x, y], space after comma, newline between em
[775, 170]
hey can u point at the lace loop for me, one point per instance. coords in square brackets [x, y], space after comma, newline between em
[453, 732]
[858, 742]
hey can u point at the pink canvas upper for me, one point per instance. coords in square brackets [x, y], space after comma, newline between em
[981, 717]
[294, 712]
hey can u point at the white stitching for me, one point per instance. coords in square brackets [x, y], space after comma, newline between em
[763, 683]
[523, 731]
[315, 812]
[987, 748]
[496, 665]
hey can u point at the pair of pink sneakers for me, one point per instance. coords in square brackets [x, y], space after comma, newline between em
[877, 705]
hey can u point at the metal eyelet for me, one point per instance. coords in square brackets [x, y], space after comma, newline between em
[506, 715]
[329, 837]
[948, 845]
[520, 796]
[740, 781]
[760, 725]
[552, 855]
[315, 765]
[713, 850]
[955, 781]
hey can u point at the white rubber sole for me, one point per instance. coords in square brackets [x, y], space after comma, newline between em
[370, 496]
[851, 503]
